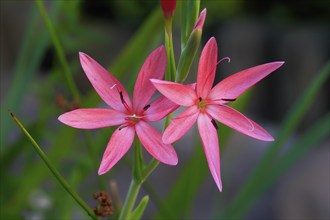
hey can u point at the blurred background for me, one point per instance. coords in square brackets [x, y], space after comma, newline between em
[120, 35]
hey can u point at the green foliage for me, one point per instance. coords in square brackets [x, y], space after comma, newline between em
[76, 154]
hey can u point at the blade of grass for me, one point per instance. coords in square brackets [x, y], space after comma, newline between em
[59, 51]
[56, 173]
[291, 121]
[29, 58]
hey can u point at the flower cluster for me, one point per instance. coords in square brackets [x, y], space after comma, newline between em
[204, 105]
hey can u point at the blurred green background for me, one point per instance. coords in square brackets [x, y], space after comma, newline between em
[287, 179]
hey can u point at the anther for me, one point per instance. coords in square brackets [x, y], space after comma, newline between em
[146, 107]
[200, 99]
[121, 97]
[228, 100]
[214, 124]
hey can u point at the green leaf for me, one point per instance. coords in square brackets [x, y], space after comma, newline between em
[138, 212]
[53, 169]
[27, 63]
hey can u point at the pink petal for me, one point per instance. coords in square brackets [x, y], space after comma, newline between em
[178, 93]
[238, 121]
[91, 118]
[118, 146]
[106, 85]
[180, 125]
[210, 142]
[200, 21]
[151, 139]
[234, 85]
[206, 68]
[159, 108]
[153, 67]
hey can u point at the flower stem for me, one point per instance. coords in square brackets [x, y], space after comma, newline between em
[59, 51]
[169, 50]
[133, 191]
[56, 173]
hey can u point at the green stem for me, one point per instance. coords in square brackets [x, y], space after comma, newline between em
[56, 173]
[133, 191]
[169, 50]
[137, 181]
[59, 51]
[149, 169]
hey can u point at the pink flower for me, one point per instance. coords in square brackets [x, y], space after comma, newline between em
[168, 7]
[206, 104]
[132, 116]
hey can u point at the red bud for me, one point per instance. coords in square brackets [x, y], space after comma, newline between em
[168, 7]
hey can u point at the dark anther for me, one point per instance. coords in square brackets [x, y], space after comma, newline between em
[214, 124]
[122, 97]
[146, 107]
[228, 100]
[200, 99]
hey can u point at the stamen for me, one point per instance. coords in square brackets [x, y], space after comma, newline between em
[200, 99]
[123, 100]
[121, 127]
[228, 100]
[122, 97]
[146, 107]
[214, 124]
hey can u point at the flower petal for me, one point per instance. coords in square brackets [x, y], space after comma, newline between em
[153, 67]
[178, 93]
[210, 142]
[91, 118]
[238, 121]
[180, 125]
[200, 21]
[207, 68]
[120, 142]
[234, 85]
[151, 139]
[159, 108]
[106, 85]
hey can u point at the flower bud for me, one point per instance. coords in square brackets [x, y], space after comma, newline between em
[168, 7]
[189, 52]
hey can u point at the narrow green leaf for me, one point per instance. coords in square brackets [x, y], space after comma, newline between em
[53, 169]
[29, 58]
[138, 212]
[59, 51]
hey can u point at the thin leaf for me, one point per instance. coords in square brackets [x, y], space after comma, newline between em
[138, 212]
[53, 169]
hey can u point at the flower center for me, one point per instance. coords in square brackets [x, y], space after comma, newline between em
[201, 104]
[133, 119]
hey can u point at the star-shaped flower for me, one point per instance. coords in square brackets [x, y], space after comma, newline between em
[206, 104]
[132, 116]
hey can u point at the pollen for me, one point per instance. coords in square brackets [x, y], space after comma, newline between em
[201, 104]
[133, 119]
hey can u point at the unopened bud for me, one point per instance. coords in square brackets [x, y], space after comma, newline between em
[168, 7]
[189, 52]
